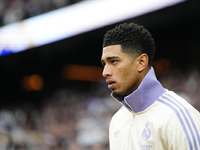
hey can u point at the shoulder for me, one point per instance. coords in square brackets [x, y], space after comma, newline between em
[182, 119]
[175, 102]
[174, 110]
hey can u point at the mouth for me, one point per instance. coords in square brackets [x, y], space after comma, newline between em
[111, 84]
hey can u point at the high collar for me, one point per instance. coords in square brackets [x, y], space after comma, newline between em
[145, 95]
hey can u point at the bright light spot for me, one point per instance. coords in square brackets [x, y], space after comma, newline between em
[32, 83]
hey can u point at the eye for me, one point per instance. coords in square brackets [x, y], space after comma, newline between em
[113, 61]
[103, 64]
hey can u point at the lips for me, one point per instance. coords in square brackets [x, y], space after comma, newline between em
[111, 83]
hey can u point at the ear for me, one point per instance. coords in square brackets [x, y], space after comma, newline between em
[143, 60]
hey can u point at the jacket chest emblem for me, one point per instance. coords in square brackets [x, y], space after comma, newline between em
[116, 133]
[146, 133]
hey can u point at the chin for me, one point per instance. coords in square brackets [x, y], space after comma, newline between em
[115, 94]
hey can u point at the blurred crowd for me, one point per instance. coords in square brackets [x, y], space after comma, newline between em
[69, 119]
[185, 82]
[77, 118]
[12, 11]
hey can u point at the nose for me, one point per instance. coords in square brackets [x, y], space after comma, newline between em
[106, 71]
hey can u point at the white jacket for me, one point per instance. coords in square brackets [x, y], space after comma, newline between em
[153, 118]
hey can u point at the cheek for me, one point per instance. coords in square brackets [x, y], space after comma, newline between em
[128, 72]
[129, 76]
[124, 75]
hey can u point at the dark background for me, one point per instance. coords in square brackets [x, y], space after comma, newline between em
[175, 31]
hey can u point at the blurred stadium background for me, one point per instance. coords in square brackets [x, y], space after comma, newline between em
[52, 96]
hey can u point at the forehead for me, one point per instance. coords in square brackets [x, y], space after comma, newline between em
[113, 50]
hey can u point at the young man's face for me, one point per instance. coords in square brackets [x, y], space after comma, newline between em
[120, 71]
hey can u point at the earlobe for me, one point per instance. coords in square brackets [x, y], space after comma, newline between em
[143, 62]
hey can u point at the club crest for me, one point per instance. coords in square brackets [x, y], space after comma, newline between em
[146, 132]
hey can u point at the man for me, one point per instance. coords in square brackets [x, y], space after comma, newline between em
[152, 117]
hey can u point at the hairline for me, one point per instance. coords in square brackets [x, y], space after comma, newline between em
[132, 54]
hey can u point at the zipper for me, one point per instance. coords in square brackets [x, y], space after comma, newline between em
[130, 133]
[133, 113]
[131, 110]
[128, 105]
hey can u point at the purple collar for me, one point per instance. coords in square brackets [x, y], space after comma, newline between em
[145, 95]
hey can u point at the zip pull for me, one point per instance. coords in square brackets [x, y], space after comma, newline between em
[124, 103]
[129, 106]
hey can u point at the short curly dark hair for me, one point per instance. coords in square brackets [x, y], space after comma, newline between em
[133, 38]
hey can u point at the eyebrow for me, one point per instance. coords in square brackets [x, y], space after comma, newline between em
[109, 58]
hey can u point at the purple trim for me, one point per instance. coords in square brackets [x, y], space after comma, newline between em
[146, 94]
[124, 103]
[181, 121]
[192, 121]
[185, 118]
[121, 100]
